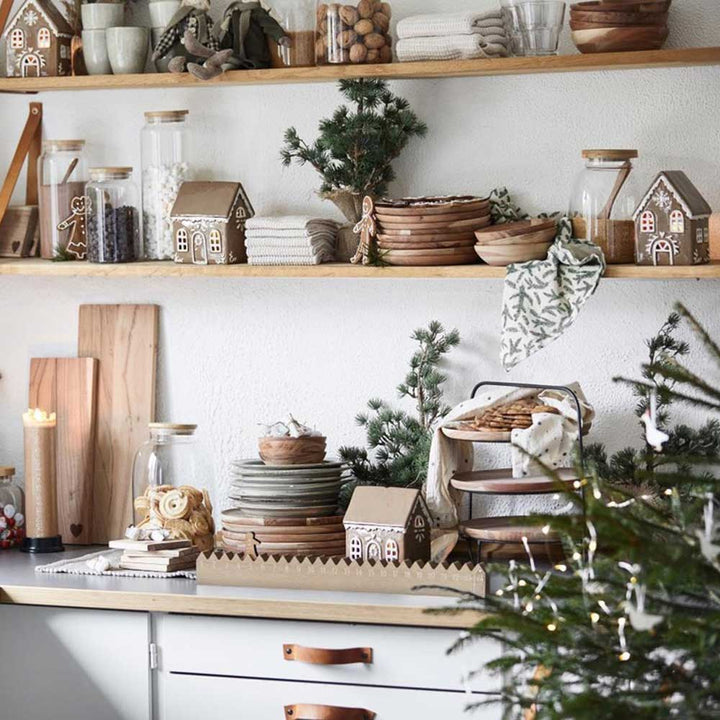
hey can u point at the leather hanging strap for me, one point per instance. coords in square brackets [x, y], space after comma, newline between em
[326, 712]
[28, 147]
[327, 656]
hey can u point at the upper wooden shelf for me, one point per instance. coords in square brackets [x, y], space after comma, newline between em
[680, 57]
[35, 266]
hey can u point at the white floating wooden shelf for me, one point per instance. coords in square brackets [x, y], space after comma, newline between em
[38, 267]
[675, 57]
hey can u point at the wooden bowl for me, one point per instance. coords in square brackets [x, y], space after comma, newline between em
[635, 6]
[506, 230]
[427, 258]
[619, 39]
[292, 451]
[615, 19]
[417, 245]
[506, 254]
[432, 205]
[535, 236]
[577, 25]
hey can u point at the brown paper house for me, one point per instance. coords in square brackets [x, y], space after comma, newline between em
[37, 41]
[208, 220]
[672, 223]
[390, 524]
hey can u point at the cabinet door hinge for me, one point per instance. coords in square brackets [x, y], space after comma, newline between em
[153, 655]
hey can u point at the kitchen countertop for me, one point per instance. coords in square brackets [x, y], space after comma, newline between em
[21, 585]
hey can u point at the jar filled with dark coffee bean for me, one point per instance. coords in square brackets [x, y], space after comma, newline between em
[357, 33]
[113, 220]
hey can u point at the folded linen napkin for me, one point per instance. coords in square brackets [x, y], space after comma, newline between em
[275, 238]
[450, 47]
[290, 222]
[284, 260]
[461, 23]
[282, 251]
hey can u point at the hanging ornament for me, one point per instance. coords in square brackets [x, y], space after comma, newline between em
[655, 438]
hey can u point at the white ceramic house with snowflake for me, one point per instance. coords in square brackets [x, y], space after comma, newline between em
[391, 524]
[672, 223]
[37, 41]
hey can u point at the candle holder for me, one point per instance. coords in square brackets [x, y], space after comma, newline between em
[40, 484]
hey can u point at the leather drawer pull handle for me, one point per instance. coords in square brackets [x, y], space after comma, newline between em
[326, 712]
[326, 656]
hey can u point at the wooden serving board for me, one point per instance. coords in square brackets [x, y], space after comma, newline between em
[505, 529]
[269, 531]
[448, 256]
[124, 338]
[473, 223]
[240, 536]
[68, 387]
[419, 216]
[501, 481]
[432, 205]
[236, 516]
[476, 436]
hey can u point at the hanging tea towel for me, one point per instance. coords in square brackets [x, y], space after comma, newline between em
[542, 298]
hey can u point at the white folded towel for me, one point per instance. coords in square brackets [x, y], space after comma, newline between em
[290, 222]
[285, 260]
[275, 237]
[455, 47]
[461, 23]
[265, 250]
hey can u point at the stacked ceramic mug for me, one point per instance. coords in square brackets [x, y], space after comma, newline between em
[109, 46]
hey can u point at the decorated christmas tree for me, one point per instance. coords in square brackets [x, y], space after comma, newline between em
[628, 627]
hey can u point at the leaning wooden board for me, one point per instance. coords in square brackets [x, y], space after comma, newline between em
[124, 338]
[67, 387]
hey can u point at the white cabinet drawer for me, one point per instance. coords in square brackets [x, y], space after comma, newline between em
[252, 648]
[189, 697]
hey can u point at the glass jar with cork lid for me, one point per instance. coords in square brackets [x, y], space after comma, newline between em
[170, 479]
[602, 203]
[62, 174]
[113, 227]
[164, 146]
[12, 508]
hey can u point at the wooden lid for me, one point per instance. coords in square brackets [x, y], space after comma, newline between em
[173, 428]
[106, 173]
[63, 144]
[161, 116]
[611, 154]
[6, 471]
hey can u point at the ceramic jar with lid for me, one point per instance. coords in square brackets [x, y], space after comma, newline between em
[354, 34]
[297, 18]
[113, 221]
[602, 203]
[164, 145]
[62, 174]
[12, 508]
[170, 480]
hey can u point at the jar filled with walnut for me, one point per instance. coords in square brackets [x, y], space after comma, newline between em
[353, 34]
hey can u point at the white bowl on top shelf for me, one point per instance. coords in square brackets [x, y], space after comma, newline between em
[162, 11]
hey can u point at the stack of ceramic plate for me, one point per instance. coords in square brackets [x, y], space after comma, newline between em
[283, 536]
[430, 230]
[291, 496]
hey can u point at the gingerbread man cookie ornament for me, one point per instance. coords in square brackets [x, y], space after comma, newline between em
[366, 229]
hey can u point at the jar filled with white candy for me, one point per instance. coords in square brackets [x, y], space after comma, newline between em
[164, 145]
[171, 477]
[12, 508]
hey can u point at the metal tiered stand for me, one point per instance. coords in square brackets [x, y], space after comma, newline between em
[507, 530]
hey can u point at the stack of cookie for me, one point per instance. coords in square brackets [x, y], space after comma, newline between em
[505, 418]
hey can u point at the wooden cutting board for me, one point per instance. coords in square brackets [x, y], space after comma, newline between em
[124, 338]
[68, 387]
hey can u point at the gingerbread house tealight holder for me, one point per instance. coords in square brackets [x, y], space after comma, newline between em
[208, 223]
[672, 223]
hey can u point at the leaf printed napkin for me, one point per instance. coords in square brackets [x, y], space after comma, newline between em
[542, 298]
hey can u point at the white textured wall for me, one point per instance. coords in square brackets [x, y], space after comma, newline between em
[235, 352]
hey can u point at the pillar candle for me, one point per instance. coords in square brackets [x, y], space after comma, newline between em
[40, 484]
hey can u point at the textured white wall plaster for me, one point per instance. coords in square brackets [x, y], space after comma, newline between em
[235, 352]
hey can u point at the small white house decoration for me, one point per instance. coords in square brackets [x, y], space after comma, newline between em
[208, 223]
[672, 223]
[390, 524]
[37, 41]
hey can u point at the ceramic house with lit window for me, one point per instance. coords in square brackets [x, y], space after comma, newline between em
[37, 41]
[208, 223]
[672, 223]
[390, 524]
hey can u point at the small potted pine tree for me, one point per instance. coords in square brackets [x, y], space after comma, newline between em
[355, 149]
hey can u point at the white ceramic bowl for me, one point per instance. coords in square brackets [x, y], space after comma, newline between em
[128, 49]
[101, 15]
[95, 52]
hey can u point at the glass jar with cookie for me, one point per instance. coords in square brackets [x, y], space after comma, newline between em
[170, 478]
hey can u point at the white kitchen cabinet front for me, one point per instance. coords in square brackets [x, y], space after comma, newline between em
[70, 664]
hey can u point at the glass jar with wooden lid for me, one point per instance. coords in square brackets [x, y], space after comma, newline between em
[171, 477]
[62, 174]
[12, 508]
[603, 200]
[113, 220]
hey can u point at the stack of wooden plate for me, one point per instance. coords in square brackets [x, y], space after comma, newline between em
[290, 496]
[430, 230]
[619, 25]
[515, 242]
[283, 536]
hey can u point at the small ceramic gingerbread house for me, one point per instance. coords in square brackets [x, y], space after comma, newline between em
[391, 524]
[37, 41]
[208, 222]
[672, 223]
